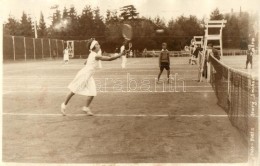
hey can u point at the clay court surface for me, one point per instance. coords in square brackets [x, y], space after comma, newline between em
[136, 120]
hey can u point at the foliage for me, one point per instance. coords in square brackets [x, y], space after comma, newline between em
[178, 32]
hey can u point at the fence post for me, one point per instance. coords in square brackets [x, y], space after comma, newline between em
[34, 48]
[13, 46]
[62, 46]
[42, 48]
[24, 48]
[50, 47]
[57, 53]
[80, 49]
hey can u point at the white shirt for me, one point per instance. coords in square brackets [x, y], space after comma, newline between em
[66, 52]
[99, 52]
[91, 61]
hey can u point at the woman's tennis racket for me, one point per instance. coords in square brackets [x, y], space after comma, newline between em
[127, 31]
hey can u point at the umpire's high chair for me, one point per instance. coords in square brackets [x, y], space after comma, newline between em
[212, 25]
[198, 40]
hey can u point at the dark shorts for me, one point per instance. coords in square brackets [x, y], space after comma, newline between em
[164, 65]
[249, 59]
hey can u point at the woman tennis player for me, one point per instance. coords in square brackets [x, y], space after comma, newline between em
[83, 83]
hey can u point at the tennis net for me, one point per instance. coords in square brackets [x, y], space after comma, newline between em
[237, 94]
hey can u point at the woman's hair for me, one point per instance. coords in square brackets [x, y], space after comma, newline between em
[93, 48]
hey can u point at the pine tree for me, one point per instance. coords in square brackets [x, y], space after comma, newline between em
[65, 13]
[42, 31]
[111, 16]
[56, 19]
[11, 27]
[128, 12]
[108, 16]
[26, 26]
[86, 22]
[216, 15]
[73, 25]
[231, 33]
[99, 24]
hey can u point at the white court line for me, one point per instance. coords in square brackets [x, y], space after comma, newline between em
[112, 115]
[116, 70]
[95, 76]
[119, 76]
[64, 92]
[136, 70]
[109, 87]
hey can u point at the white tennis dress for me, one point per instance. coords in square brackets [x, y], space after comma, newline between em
[99, 62]
[83, 83]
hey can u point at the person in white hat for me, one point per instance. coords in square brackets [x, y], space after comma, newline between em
[66, 55]
[83, 83]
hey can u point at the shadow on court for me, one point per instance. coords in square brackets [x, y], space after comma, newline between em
[129, 126]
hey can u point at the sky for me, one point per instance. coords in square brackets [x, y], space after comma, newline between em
[166, 9]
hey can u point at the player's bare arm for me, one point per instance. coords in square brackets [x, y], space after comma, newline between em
[108, 58]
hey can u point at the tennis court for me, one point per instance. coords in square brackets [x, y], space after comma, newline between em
[239, 62]
[136, 120]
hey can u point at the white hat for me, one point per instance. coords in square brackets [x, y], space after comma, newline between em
[94, 42]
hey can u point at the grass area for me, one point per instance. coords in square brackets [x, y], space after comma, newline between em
[136, 126]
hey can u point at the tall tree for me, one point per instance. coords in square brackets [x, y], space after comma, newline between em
[231, 32]
[128, 12]
[26, 26]
[216, 15]
[99, 24]
[65, 13]
[11, 27]
[72, 23]
[86, 22]
[56, 17]
[111, 16]
[183, 29]
[108, 16]
[159, 22]
[42, 31]
[243, 24]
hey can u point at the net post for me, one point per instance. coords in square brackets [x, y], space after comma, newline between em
[13, 46]
[229, 86]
